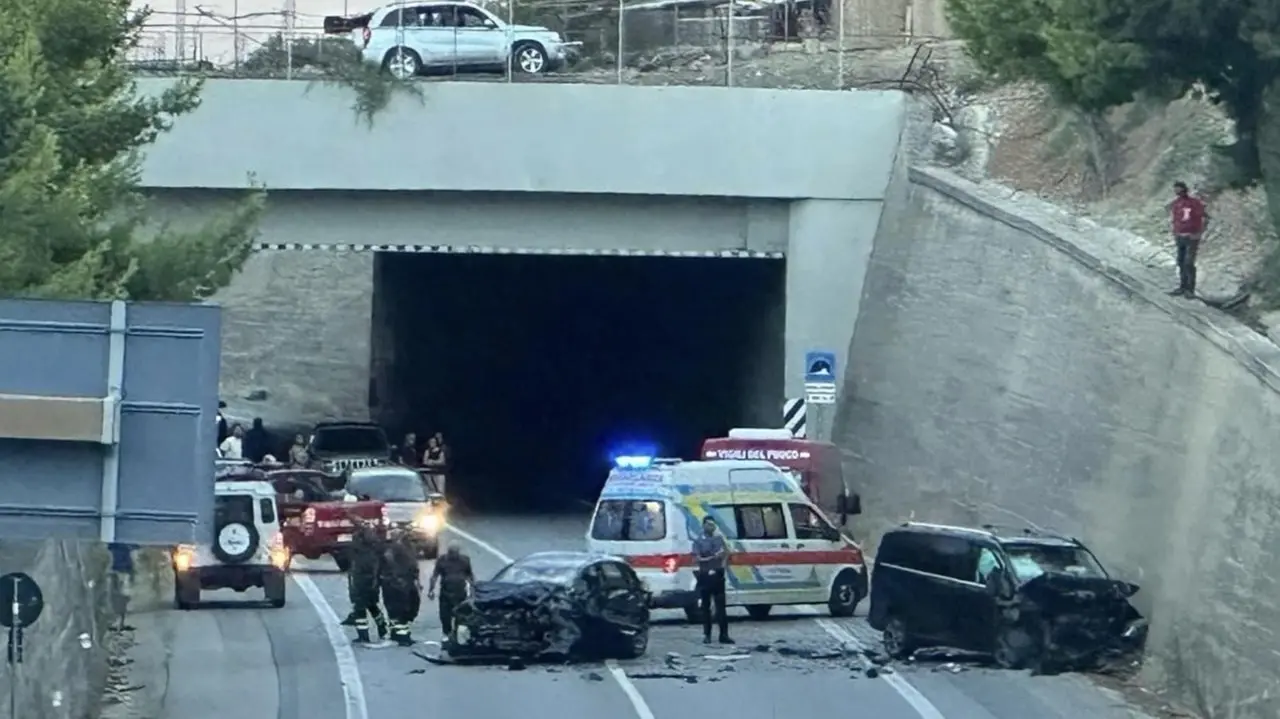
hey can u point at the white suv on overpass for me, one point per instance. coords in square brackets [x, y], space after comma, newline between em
[408, 39]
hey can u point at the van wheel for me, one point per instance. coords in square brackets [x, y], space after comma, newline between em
[693, 615]
[845, 594]
[1016, 648]
[898, 642]
[759, 611]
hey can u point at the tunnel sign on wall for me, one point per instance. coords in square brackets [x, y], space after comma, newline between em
[820, 377]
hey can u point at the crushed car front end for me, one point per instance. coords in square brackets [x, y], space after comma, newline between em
[532, 620]
[1079, 622]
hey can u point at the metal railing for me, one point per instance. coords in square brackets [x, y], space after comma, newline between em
[762, 43]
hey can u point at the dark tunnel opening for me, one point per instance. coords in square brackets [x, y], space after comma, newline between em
[538, 369]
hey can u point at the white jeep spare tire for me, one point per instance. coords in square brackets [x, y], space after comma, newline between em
[235, 542]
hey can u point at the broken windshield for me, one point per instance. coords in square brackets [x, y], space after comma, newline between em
[1030, 560]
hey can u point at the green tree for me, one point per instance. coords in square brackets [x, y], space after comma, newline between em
[73, 220]
[1096, 54]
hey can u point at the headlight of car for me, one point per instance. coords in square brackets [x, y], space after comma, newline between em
[429, 523]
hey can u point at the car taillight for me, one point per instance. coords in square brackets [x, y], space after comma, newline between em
[670, 563]
[309, 516]
[366, 33]
[386, 516]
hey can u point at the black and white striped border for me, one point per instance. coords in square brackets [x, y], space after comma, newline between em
[483, 250]
[793, 416]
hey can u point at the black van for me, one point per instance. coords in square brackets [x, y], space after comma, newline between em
[1028, 598]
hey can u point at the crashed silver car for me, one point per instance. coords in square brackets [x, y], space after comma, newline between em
[554, 606]
[1030, 599]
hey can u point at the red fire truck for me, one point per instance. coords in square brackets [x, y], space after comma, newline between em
[815, 465]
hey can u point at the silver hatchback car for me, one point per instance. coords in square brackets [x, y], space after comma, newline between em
[409, 39]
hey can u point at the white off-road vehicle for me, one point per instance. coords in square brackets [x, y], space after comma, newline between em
[247, 550]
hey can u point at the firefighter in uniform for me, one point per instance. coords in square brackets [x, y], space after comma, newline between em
[362, 581]
[401, 586]
[453, 573]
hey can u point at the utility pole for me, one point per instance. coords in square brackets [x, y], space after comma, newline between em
[180, 29]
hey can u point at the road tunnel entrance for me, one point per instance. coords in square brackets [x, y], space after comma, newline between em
[537, 368]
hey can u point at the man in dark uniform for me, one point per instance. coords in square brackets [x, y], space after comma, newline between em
[453, 572]
[362, 581]
[401, 586]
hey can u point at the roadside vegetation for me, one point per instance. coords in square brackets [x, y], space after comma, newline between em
[1093, 57]
[74, 217]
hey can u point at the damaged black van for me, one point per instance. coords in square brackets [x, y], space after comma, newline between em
[1031, 600]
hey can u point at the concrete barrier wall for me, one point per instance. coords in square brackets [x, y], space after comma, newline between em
[1029, 370]
[65, 664]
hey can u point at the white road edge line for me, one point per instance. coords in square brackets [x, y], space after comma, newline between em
[638, 704]
[919, 702]
[348, 670]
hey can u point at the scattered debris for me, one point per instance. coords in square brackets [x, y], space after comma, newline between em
[593, 676]
[686, 678]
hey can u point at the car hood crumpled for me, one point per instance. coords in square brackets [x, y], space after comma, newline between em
[528, 619]
[1088, 618]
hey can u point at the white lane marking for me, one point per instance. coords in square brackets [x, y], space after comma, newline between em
[348, 670]
[919, 702]
[638, 704]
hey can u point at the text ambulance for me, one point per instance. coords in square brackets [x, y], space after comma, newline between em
[815, 465]
[783, 550]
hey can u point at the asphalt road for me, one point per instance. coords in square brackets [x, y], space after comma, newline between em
[258, 663]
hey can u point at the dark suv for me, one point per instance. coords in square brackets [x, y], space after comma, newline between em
[1031, 599]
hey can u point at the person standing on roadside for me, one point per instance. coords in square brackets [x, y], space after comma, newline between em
[409, 450]
[1190, 220]
[711, 553]
[299, 457]
[453, 572]
[223, 430]
[233, 447]
[257, 443]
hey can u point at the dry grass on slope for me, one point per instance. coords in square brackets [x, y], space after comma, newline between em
[1120, 174]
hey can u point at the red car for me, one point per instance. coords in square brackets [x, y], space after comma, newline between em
[313, 516]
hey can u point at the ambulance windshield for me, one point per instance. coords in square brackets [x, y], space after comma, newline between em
[630, 520]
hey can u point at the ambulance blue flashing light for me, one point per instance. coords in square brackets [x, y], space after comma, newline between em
[633, 462]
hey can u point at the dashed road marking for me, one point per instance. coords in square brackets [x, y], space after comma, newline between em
[348, 670]
[912, 696]
[638, 704]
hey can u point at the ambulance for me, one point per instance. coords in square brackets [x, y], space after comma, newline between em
[783, 549]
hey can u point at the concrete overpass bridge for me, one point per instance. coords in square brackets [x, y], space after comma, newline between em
[784, 186]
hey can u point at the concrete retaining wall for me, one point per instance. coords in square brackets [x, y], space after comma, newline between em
[65, 667]
[1023, 369]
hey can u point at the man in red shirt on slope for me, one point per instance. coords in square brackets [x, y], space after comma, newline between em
[1189, 223]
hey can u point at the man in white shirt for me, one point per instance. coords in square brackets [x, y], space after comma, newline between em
[233, 447]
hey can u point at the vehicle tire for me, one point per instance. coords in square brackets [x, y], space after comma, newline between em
[402, 63]
[235, 542]
[845, 594]
[186, 593]
[341, 559]
[635, 646]
[897, 640]
[759, 611]
[529, 58]
[273, 585]
[693, 614]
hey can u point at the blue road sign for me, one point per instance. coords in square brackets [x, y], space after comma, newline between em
[819, 367]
